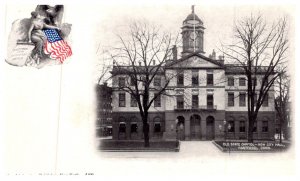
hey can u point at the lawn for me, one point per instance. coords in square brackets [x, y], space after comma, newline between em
[138, 145]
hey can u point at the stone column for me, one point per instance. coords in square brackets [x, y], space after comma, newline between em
[203, 129]
[140, 130]
[151, 129]
[237, 130]
[187, 129]
[115, 130]
[170, 130]
[128, 126]
[259, 129]
[218, 132]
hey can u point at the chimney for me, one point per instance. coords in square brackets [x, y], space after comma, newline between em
[221, 59]
[213, 55]
[140, 63]
[153, 62]
[174, 52]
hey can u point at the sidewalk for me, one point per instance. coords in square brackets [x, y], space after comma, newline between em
[193, 150]
[203, 158]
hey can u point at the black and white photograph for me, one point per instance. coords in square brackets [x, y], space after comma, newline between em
[159, 87]
[144, 90]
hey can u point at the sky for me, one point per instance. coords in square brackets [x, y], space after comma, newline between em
[218, 19]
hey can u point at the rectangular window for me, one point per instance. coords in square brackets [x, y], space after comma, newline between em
[230, 126]
[254, 81]
[122, 128]
[122, 100]
[132, 81]
[242, 99]
[180, 79]
[266, 101]
[230, 81]
[254, 127]
[195, 101]
[157, 81]
[210, 79]
[242, 81]
[242, 126]
[265, 126]
[255, 98]
[121, 81]
[195, 78]
[133, 128]
[157, 101]
[133, 102]
[231, 99]
[210, 101]
[157, 128]
[180, 102]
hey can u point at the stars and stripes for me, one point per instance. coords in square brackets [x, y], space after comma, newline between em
[55, 46]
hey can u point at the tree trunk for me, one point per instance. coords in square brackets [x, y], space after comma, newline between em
[146, 134]
[252, 120]
[250, 104]
[250, 127]
[250, 133]
[280, 133]
[285, 130]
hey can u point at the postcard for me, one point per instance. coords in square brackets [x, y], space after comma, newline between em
[144, 90]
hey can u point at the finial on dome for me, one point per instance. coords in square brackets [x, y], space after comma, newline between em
[193, 7]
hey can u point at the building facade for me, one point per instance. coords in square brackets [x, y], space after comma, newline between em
[209, 98]
[104, 110]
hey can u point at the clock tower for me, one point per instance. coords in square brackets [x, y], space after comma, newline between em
[192, 34]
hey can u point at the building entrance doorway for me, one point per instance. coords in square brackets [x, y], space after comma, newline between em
[210, 128]
[195, 127]
[180, 128]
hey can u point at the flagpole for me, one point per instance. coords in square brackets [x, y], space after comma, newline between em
[59, 104]
[58, 118]
[194, 28]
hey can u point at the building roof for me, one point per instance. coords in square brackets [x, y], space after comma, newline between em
[193, 16]
[238, 69]
[117, 70]
[198, 54]
[229, 68]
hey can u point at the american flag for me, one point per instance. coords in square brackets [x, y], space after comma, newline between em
[55, 46]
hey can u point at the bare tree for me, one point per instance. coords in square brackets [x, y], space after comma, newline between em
[104, 65]
[282, 99]
[142, 57]
[259, 50]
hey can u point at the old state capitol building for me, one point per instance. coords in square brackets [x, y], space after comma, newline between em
[209, 94]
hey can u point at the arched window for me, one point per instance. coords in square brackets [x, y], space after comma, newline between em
[180, 120]
[122, 125]
[265, 125]
[231, 125]
[254, 127]
[195, 119]
[242, 124]
[157, 125]
[133, 125]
